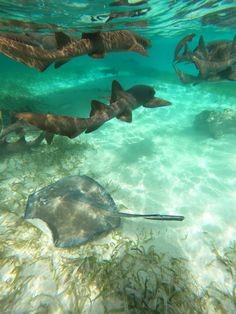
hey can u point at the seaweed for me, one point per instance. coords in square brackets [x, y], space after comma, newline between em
[137, 279]
[119, 274]
[46, 163]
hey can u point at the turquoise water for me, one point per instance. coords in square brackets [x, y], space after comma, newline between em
[158, 163]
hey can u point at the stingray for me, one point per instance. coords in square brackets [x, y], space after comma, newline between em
[77, 209]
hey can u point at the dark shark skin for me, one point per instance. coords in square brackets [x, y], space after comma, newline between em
[209, 68]
[122, 104]
[93, 44]
[215, 61]
[186, 78]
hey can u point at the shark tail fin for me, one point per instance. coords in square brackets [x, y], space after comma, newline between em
[116, 89]
[62, 39]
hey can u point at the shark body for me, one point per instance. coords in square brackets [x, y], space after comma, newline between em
[121, 106]
[59, 50]
[215, 60]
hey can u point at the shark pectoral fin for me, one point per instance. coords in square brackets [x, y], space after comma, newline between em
[125, 116]
[139, 49]
[97, 106]
[157, 102]
[93, 127]
[116, 88]
[62, 39]
[58, 64]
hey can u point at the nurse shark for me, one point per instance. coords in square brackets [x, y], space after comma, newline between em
[41, 51]
[122, 104]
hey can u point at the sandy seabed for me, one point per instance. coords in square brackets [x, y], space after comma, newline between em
[157, 164]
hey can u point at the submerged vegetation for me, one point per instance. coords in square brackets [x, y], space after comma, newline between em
[116, 275]
[122, 275]
[24, 173]
[138, 279]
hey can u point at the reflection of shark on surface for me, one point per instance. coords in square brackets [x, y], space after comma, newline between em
[215, 60]
[41, 51]
[121, 106]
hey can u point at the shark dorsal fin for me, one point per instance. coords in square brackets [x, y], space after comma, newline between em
[62, 39]
[125, 116]
[97, 106]
[116, 88]
[202, 46]
[91, 36]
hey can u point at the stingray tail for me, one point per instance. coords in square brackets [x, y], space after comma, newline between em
[152, 216]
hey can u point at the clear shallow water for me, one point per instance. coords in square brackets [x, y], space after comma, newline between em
[158, 163]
